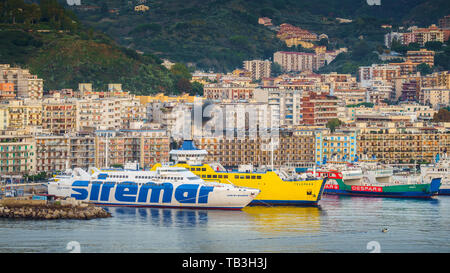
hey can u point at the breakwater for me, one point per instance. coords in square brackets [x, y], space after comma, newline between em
[41, 209]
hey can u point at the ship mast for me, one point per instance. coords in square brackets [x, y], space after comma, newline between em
[271, 152]
[106, 152]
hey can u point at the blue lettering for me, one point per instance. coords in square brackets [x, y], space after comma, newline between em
[82, 193]
[156, 191]
[106, 190]
[95, 191]
[204, 194]
[143, 192]
[186, 193]
[126, 193]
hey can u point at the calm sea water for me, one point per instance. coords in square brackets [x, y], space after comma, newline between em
[339, 224]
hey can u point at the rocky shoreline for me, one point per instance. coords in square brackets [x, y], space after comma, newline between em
[53, 211]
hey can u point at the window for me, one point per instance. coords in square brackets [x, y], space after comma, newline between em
[258, 177]
[236, 176]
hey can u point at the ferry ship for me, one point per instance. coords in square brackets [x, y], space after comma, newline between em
[369, 186]
[277, 187]
[440, 169]
[164, 187]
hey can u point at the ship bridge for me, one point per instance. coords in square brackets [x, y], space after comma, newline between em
[188, 154]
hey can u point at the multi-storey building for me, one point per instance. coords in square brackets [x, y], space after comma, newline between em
[396, 144]
[59, 116]
[7, 91]
[294, 148]
[421, 56]
[98, 113]
[410, 91]
[147, 147]
[436, 97]
[335, 146]
[258, 69]
[17, 153]
[81, 150]
[24, 113]
[230, 92]
[386, 72]
[430, 34]
[296, 61]
[26, 85]
[318, 108]
[351, 96]
[52, 153]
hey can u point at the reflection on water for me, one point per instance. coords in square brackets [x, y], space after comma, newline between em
[261, 218]
[284, 219]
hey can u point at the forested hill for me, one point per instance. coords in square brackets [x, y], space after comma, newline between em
[220, 34]
[49, 40]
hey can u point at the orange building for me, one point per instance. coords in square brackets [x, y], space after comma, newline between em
[7, 91]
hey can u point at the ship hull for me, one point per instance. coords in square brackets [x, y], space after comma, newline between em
[273, 190]
[395, 191]
[444, 192]
[165, 195]
[383, 194]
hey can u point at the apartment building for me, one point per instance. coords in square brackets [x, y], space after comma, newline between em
[118, 147]
[335, 146]
[436, 97]
[430, 34]
[7, 91]
[59, 116]
[81, 150]
[23, 113]
[292, 148]
[421, 56]
[318, 108]
[258, 68]
[17, 153]
[386, 72]
[25, 84]
[231, 92]
[98, 113]
[395, 144]
[296, 61]
[52, 153]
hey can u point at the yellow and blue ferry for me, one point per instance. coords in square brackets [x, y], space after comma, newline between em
[277, 188]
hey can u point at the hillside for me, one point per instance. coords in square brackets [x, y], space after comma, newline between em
[65, 55]
[220, 34]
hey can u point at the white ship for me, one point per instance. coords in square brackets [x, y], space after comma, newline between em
[165, 187]
[440, 169]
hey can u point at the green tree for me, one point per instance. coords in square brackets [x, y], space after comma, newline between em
[332, 124]
[424, 69]
[197, 89]
[435, 45]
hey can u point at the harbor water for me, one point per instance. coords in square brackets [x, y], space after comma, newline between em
[341, 224]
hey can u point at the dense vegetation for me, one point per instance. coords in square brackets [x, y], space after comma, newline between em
[220, 34]
[53, 44]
